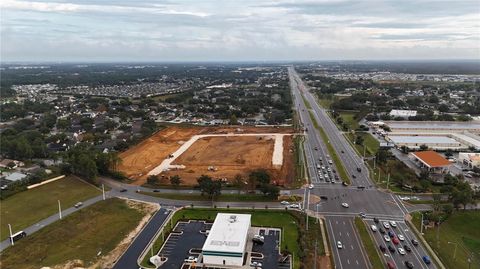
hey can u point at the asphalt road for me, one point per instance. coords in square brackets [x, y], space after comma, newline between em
[129, 258]
[372, 202]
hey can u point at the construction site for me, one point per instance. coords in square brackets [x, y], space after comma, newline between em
[220, 152]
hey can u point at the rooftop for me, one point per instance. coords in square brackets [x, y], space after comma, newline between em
[228, 233]
[422, 139]
[431, 158]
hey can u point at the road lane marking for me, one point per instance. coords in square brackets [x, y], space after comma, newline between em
[334, 242]
[358, 243]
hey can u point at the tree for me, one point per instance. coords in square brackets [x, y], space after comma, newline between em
[175, 181]
[382, 156]
[359, 140]
[233, 120]
[260, 176]
[152, 180]
[209, 186]
[404, 149]
[423, 147]
[238, 182]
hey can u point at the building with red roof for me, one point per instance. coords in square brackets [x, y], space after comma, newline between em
[431, 160]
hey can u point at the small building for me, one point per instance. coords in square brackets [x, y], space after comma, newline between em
[227, 240]
[402, 113]
[15, 176]
[469, 159]
[431, 161]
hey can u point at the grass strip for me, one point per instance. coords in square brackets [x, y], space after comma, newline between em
[221, 198]
[370, 248]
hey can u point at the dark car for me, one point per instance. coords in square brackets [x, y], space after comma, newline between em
[343, 152]
[426, 259]
[392, 249]
[391, 234]
[359, 169]
[382, 231]
[407, 247]
[156, 190]
[123, 190]
[414, 242]
[361, 187]
[376, 220]
[382, 248]
[354, 176]
[409, 264]
[390, 265]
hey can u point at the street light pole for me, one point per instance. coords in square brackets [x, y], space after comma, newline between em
[388, 180]
[421, 225]
[103, 191]
[11, 238]
[59, 209]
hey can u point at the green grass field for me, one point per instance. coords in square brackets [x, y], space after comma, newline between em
[25, 208]
[80, 235]
[349, 119]
[372, 144]
[462, 228]
[287, 221]
[370, 248]
[222, 198]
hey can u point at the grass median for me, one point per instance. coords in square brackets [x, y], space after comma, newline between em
[227, 197]
[370, 248]
[28, 207]
[79, 236]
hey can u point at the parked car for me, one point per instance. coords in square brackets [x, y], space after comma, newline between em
[401, 251]
[386, 225]
[382, 248]
[390, 265]
[414, 242]
[393, 224]
[391, 234]
[392, 249]
[407, 247]
[409, 264]
[395, 240]
[401, 237]
[373, 227]
[376, 220]
[382, 231]
[387, 238]
[345, 205]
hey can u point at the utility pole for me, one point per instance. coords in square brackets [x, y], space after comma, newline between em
[11, 238]
[379, 174]
[103, 191]
[421, 225]
[59, 210]
[364, 149]
[388, 180]
[374, 162]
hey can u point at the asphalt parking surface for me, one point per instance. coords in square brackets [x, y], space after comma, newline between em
[270, 250]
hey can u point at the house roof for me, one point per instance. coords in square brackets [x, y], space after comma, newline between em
[431, 158]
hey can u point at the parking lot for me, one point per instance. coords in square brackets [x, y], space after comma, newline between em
[414, 256]
[270, 250]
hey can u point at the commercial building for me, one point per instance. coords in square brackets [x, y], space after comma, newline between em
[433, 142]
[469, 159]
[227, 240]
[434, 126]
[395, 113]
[431, 161]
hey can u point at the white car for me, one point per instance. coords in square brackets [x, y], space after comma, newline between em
[345, 205]
[401, 251]
[284, 202]
[339, 245]
[311, 186]
[404, 198]
[191, 259]
[373, 227]
[294, 206]
[387, 238]
[256, 264]
[393, 224]
[386, 225]
[401, 237]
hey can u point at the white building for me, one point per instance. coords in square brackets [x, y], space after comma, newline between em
[469, 159]
[227, 240]
[402, 113]
[432, 142]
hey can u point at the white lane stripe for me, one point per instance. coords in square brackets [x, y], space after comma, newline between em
[334, 242]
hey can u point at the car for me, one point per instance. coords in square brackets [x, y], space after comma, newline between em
[359, 169]
[426, 260]
[382, 231]
[414, 242]
[285, 202]
[345, 205]
[344, 183]
[343, 151]
[404, 198]
[393, 224]
[79, 204]
[390, 265]
[256, 264]
[311, 186]
[354, 176]
[123, 190]
[401, 237]
[391, 249]
[333, 181]
[339, 245]
[361, 187]
[391, 234]
[382, 248]
[315, 148]
[156, 190]
[363, 215]
[294, 206]
[401, 251]
[408, 264]
[387, 238]
[395, 240]
[191, 259]
[376, 220]
[386, 225]
[407, 247]
[258, 239]
[373, 227]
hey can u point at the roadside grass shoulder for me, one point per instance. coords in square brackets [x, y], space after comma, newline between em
[370, 248]
[221, 198]
[28, 207]
[461, 228]
[81, 235]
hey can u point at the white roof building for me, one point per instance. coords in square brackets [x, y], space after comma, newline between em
[227, 239]
[403, 113]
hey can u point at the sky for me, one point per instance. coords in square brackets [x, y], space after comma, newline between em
[241, 30]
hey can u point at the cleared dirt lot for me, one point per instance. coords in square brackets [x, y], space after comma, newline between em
[230, 155]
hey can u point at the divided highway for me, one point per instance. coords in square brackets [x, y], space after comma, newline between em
[361, 196]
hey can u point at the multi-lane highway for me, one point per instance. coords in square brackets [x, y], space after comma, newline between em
[361, 195]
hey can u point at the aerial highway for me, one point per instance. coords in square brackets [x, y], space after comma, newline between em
[361, 196]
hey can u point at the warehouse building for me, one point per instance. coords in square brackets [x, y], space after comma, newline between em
[434, 126]
[227, 240]
[414, 142]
